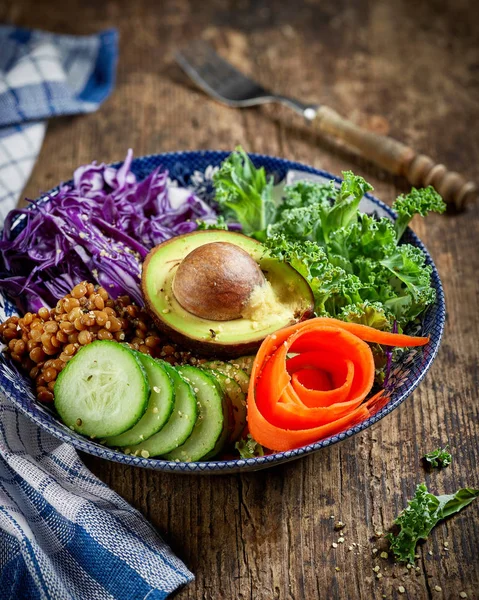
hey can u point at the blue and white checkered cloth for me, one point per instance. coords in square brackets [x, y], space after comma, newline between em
[64, 535]
[43, 75]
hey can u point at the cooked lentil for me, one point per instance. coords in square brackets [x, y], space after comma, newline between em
[43, 343]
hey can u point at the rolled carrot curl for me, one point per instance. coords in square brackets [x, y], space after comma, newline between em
[311, 380]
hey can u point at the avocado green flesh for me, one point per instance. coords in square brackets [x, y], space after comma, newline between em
[159, 273]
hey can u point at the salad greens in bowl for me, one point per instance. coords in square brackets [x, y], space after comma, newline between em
[194, 312]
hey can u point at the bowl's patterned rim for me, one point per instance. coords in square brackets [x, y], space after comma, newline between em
[195, 169]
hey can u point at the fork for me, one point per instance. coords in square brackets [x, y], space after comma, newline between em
[229, 86]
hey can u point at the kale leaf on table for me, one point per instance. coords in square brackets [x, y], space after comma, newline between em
[423, 512]
[439, 457]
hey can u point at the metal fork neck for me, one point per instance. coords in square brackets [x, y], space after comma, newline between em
[308, 111]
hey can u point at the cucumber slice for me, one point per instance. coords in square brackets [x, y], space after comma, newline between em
[237, 404]
[227, 424]
[103, 391]
[230, 371]
[160, 404]
[245, 363]
[180, 424]
[210, 430]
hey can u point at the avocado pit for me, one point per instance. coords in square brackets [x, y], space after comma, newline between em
[215, 281]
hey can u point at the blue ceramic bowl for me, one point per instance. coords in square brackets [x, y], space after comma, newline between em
[195, 170]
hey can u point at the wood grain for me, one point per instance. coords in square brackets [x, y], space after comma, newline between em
[409, 69]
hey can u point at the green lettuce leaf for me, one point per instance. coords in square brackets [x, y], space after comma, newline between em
[245, 192]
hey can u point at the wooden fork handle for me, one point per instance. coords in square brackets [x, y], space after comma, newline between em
[397, 158]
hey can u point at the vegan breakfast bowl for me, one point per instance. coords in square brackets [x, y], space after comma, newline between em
[197, 312]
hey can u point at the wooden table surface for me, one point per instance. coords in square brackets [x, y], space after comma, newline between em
[404, 67]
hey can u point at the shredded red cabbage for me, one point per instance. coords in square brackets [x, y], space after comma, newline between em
[99, 228]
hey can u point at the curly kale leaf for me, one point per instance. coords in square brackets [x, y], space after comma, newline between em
[299, 215]
[417, 202]
[367, 237]
[310, 260]
[344, 210]
[303, 194]
[299, 223]
[411, 283]
[245, 192]
[397, 286]
[314, 211]
[438, 458]
[332, 287]
[367, 313]
[423, 512]
[249, 447]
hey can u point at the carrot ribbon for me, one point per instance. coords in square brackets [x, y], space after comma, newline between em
[321, 389]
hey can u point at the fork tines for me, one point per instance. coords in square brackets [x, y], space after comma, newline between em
[216, 76]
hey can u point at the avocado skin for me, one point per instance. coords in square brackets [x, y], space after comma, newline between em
[212, 347]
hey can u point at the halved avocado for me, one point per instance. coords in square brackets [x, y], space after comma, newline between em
[284, 298]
